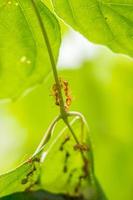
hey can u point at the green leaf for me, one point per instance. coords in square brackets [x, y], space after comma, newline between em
[107, 22]
[23, 178]
[69, 170]
[24, 59]
[26, 176]
[39, 195]
[61, 167]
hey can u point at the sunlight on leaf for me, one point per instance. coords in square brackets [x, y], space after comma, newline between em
[71, 173]
[24, 60]
[104, 22]
[71, 170]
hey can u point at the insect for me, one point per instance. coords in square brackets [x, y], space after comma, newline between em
[82, 147]
[65, 87]
[55, 93]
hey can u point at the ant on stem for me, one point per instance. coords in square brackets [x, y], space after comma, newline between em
[65, 87]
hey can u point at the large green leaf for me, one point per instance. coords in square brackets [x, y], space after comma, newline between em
[67, 162]
[108, 22]
[24, 59]
[68, 170]
[61, 167]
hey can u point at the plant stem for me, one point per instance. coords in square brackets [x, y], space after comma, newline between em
[63, 112]
[52, 60]
[75, 138]
[71, 130]
[48, 134]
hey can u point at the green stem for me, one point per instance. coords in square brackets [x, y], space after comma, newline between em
[52, 60]
[48, 134]
[75, 138]
[63, 112]
[71, 130]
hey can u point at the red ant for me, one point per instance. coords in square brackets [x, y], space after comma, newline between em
[65, 86]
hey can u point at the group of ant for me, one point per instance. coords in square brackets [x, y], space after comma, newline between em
[65, 87]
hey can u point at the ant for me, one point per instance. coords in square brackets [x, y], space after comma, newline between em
[65, 87]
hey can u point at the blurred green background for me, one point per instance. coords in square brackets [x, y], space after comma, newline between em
[102, 89]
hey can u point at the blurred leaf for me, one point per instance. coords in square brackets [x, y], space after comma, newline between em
[24, 58]
[102, 91]
[39, 195]
[103, 22]
[48, 4]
